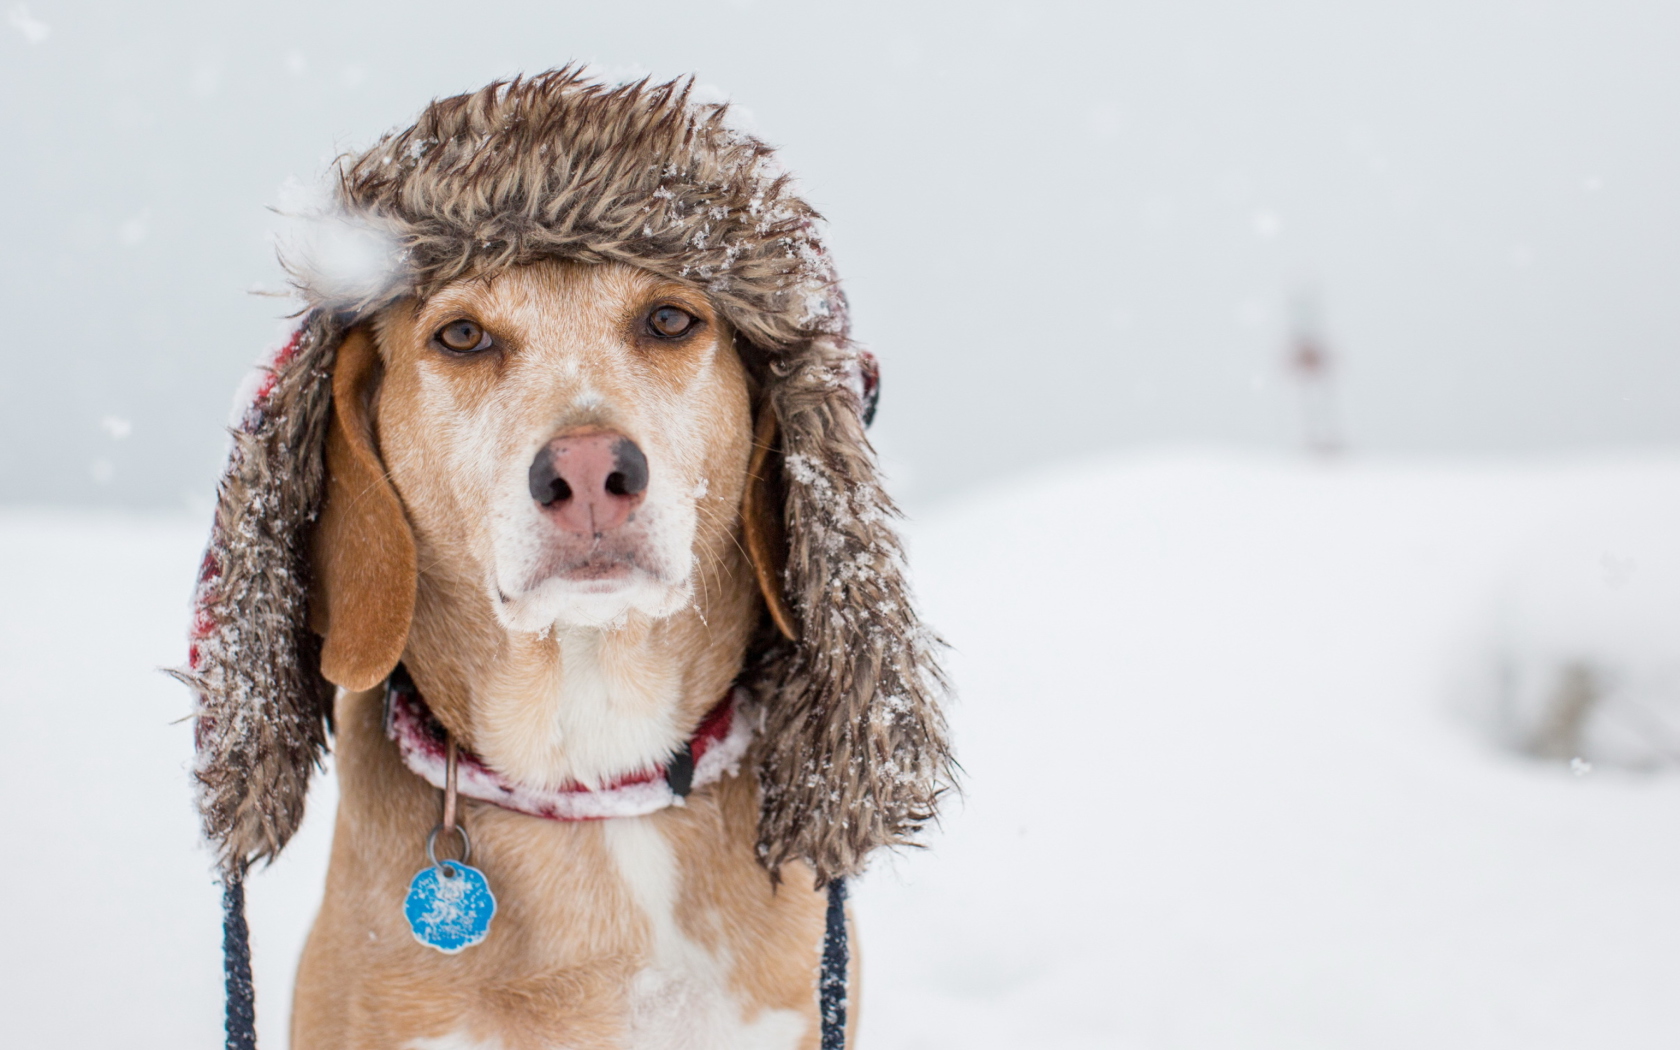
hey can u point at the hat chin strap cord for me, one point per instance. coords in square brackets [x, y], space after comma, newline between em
[236, 964]
[836, 957]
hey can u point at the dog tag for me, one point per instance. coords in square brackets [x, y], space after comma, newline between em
[450, 906]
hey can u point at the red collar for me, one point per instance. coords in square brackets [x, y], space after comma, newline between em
[714, 752]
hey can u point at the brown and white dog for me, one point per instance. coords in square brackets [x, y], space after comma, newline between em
[568, 641]
[583, 462]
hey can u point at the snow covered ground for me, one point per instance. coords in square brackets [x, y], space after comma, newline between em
[1241, 746]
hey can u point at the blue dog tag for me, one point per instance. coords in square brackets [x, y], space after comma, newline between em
[450, 906]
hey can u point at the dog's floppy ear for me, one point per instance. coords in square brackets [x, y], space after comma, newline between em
[854, 753]
[761, 521]
[363, 551]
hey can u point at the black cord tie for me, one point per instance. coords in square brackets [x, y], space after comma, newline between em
[831, 987]
[236, 965]
[679, 772]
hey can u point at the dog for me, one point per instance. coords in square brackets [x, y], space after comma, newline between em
[560, 523]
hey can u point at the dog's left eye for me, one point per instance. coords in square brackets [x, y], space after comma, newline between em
[463, 337]
[670, 322]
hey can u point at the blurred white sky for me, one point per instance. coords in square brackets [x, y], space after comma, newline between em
[1063, 227]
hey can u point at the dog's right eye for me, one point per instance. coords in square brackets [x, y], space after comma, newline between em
[670, 322]
[463, 337]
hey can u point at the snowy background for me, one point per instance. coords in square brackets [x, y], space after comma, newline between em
[1235, 778]
[1263, 749]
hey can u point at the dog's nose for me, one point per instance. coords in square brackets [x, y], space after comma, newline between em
[589, 482]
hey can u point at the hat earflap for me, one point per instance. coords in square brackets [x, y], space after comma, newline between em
[854, 752]
[262, 710]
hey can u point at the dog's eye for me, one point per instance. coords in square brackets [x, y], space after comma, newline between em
[463, 337]
[670, 322]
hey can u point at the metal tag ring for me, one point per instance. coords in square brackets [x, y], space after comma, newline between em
[431, 848]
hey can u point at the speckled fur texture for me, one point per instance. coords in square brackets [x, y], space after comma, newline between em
[853, 753]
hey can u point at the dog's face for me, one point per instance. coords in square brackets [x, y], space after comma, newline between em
[570, 440]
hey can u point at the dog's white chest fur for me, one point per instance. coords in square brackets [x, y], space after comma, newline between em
[681, 999]
[601, 706]
[605, 706]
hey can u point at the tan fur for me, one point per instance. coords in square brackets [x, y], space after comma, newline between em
[575, 955]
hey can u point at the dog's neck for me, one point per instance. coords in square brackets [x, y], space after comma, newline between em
[582, 704]
[578, 704]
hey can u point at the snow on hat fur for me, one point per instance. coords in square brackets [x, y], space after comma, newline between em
[853, 752]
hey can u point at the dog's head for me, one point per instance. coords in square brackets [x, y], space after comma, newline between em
[567, 442]
[557, 428]
[606, 350]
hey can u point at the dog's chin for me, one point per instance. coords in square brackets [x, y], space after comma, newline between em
[594, 595]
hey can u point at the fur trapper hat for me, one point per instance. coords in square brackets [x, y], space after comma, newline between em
[853, 753]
